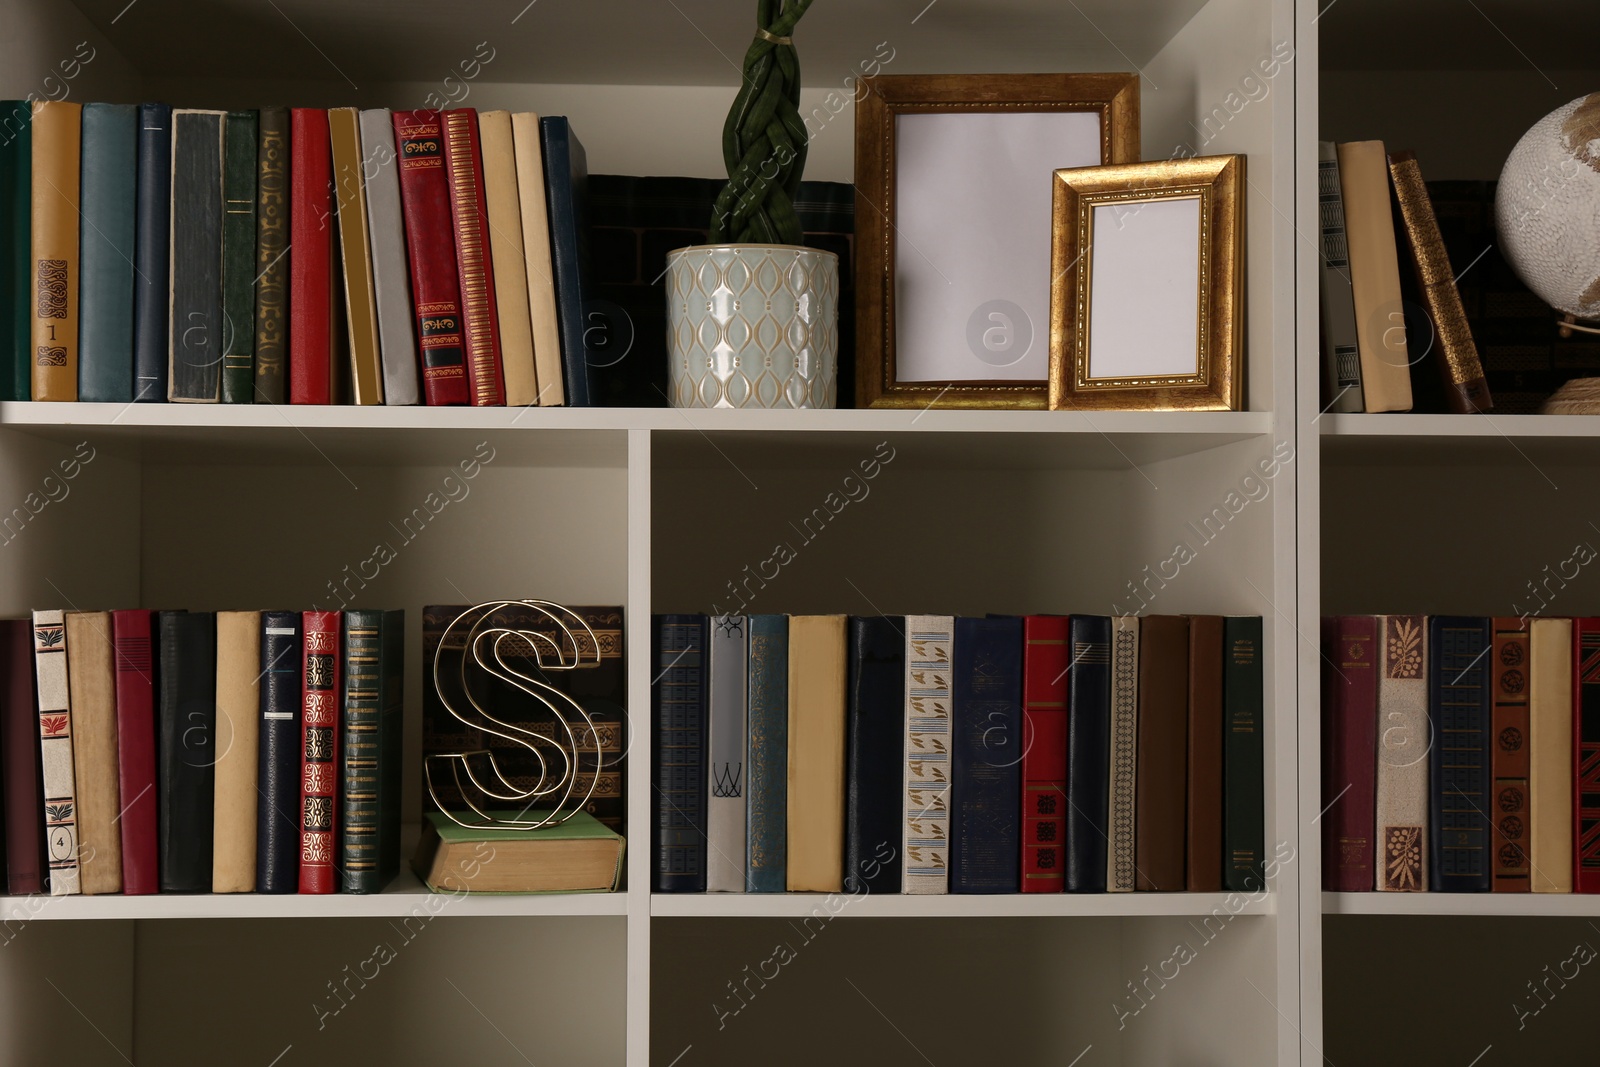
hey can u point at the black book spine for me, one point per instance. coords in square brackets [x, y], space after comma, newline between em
[1243, 757]
[272, 257]
[986, 750]
[1088, 751]
[875, 754]
[152, 236]
[196, 327]
[186, 775]
[278, 770]
[679, 696]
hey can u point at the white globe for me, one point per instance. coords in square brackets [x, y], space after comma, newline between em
[1547, 208]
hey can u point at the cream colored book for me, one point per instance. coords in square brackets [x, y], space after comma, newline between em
[816, 753]
[55, 751]
[1402, 781]
[503, 203]
[1375, 276]
[233, 840]
[930, 645]
[92, 680]
[539, 270]
[1550, 751]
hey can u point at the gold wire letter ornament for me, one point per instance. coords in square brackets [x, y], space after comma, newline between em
[518, 658]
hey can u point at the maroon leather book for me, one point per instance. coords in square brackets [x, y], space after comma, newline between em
[1044, 753]
[470, 221]
[311, 243]
[1161, 786]
[19, 743]
[1349, 751]
[136, 749]
[1586, 755]
[430, 244]
[319, 753]
[1203, 851]
[1509, 758]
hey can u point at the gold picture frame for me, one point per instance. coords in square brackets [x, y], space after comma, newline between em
[887, 377]
[1128, 243]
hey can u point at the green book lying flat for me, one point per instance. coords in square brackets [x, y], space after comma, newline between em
[579, 856]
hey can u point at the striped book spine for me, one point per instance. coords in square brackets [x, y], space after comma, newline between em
[1121, 871]
[929, 684]
[464, 169]
[55, 751]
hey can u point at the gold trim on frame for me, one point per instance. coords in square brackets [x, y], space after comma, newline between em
[1217, 383]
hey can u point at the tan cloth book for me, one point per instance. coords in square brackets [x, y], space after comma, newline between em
[539, 269]
[92, 678]
[355, 249]
[816, 753]
[57, 128]
[501, 200]
[1375, 276]
[1550, 742]
[233, 842]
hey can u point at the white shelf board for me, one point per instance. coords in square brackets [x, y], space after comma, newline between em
[1490, 904]
[1392, 424]
[905, 906]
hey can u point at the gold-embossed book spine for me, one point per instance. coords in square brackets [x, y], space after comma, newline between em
[470, 223]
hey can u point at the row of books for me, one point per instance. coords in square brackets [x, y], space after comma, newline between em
[1461, 754]
[935, 754]
[196, 751]
[1368, 353]
[293, 255]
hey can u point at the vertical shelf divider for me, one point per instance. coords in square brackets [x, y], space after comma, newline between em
[637, 621]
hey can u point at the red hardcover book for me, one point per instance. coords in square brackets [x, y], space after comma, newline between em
[430, 244]
[319, 752]
[136, 749]
[1586, 755]
[1044, 753]
[470, 222]
[311, 246]
[1509, 758]
[1349, 751]
[24, 780]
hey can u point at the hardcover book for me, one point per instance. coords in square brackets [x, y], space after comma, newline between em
[539, 267]
[1349, 751]
[1341, 354]
[1585, 752]
[196, 330]
[233, 833]
[311, 224]
[875, 754]
[278, 768]
[109, 163]
[397, 345]
[767, 813]
[576, 856]
[1459, 714]
[1509, 756]
[1088, 752]
[1550, 741]
[57, 132]
[240, 161]
[929, 685]
[1374, 277]
[817, 649]
[725, 779]
[474, 260]
[16, 251]
[435, 283]
[92, 686]
[355, 250]
[1123, 777]
[54, 726]
[187, 733]
[22, 780]
[369, 788]
[1203, 804]
[319, 751]
[1403, 742]
[503, 211]
[272, 258]
[566, 171]
[151, 264]
[679, 772]
[1163, 726]
[986, 751]
[1244, 835]
[1046, 664]
[133, 643]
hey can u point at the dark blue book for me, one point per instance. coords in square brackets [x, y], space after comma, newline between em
[278, 769]
[1088, 751]
[152, 236]
[105, 252]
[986, 751]
[679, 764]
[566, 170]
[1458, 718]
[767, 762]
[875, 754]
[16, 253]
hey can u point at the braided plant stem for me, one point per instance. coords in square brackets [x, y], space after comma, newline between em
[764, 141]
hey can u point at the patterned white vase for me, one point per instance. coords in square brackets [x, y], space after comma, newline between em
[753, 326]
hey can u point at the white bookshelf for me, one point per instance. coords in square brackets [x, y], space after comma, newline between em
[657, 510]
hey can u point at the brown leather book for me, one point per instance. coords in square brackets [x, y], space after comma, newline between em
[92, 685]
[1509, 757]
[1203, 848]
[1163, 743]
[816, 753]
[57, 126]
[233, 830]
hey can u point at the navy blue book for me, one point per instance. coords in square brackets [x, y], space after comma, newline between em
[1088, 751]
[278, 769]
[986, 756]
[566, 171]
[679, 698]
[767, 760]
[875, 754]
[105, 252]
[152, 235]
[1458, 718]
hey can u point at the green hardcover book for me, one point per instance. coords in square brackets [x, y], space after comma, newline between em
[578, 856]
[369, 787]
[272, 256]
[239, 258]
[16, 206]
[1243, 760]
[109, 167]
